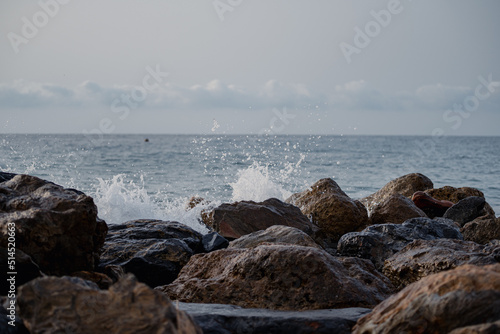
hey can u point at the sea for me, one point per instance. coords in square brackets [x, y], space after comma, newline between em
[154, 176]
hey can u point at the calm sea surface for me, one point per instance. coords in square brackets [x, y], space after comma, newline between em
[130, 178]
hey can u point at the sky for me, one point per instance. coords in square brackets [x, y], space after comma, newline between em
[250, 67]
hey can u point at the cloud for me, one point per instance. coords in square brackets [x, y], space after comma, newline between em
[354, 95]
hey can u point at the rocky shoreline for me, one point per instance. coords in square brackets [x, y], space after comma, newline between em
[408, 258]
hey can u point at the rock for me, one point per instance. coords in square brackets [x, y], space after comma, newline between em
[194, 201]
[405, 185]
[331, 210]
[482, 230]
[213, 241]
[488, 328]
[115, 272]
[9, 326]
[395, 209]
[6, 176]
[431, 206]
[71, 305]
[422, 258]
[440, 303]
[465, 210]
[57, 227]
[25, 268]
[103, 281]
[280, 277]
[240, 218]
[275, 234]
[226, 319]
[379, 242]
[153, 250]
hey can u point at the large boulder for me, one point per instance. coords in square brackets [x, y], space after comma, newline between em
[425, 257]
[280, 277]
[379, 242]
[240, 218]
[482, 230]
[57, 227]
[405, 185]
[466, 210]
[331, 210]
[71, 305]
[275, 234]
[440, 303]
[395, 209]
[153, 250]
[226, 319]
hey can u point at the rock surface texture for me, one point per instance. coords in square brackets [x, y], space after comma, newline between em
[279, 277]
[449, 301]
[275, 234]
[395, 209]
[466, 210]
[57, 227]
[72, 305]
[331, 210]
[241, 218]
[482, 230]
[431, 206]
[153, 250]
[425, 257]
[379, 242]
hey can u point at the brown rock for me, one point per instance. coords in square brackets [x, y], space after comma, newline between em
[279, 277]
[331, 210]
[431, 206]
[405, 185]
[240, 218]
[103, 281]
[275, 234]
[489, 328]
[439, 303]
[72, 305]
[422, 258]
[395, 209]
[57, 227]
[482, 230]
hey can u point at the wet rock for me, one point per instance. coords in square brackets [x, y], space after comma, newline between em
[6, 176]
[72, 305]
[482, 230]
[153, 250]
[379, 242]
[425, 257]
[431, 206]
[331, 210]
[226, 319]
[275, 234]
[395, 209]
[57, 227]
[281, 277]
[103, 281]
[405, 185]
[240, 218]
[213, 241]
[465, 210]
[440, 303]
[25, 268]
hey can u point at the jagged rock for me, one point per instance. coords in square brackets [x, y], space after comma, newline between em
[331, 210]
[379, 242]
[422, 258]
[213, 241]
[405, 185]
[25, 268]
[153, 250]
[440, 303]
[395, 209]
[57, 227]
[71, 305]
[240, 218]
[489, 328]
[281, 277]
[465, 210]
[431, 206]
[275, 234]
[226, 319]
[482, 230]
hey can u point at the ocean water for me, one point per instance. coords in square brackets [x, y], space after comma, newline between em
[130, 178]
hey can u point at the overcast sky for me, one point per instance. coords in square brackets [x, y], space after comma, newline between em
[250, 66]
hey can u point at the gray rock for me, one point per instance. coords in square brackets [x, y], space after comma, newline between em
[226, 319]
[465, 210]
[214, 241]
[274, 234]
[379, 242]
